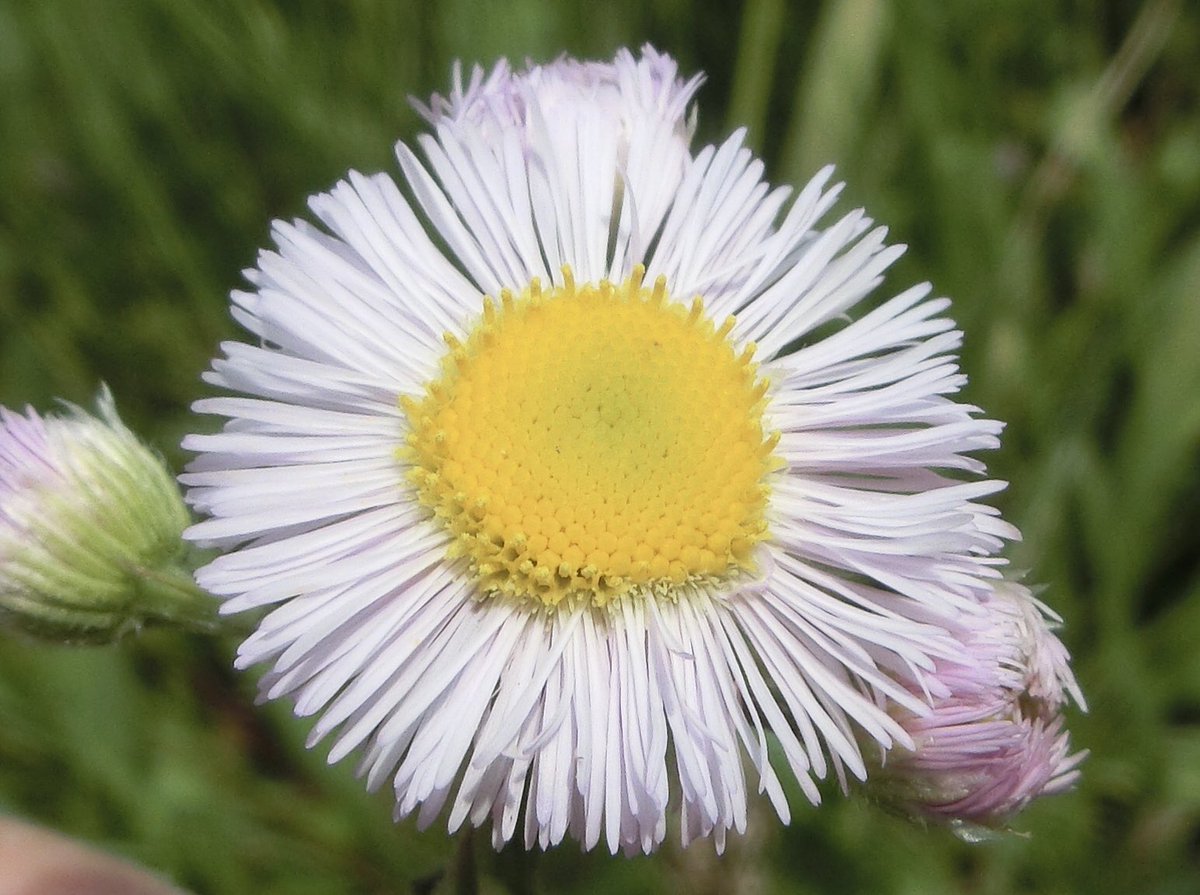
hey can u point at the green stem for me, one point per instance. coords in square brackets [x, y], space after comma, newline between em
[171, 596]
[466, 880]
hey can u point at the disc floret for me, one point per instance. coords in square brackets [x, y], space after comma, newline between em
[591, 440]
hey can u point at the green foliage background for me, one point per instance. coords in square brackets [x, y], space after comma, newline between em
[1041, 159]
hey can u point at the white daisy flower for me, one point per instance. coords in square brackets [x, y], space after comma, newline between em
[569, 487]
[995, 740]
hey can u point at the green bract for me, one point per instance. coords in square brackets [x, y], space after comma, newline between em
[90, 525]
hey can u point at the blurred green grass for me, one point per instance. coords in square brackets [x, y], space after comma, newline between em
[1041, 160]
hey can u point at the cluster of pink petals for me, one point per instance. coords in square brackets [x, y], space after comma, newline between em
[24, 456]
[995, 739]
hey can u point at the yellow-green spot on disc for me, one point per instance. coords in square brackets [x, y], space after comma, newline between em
[587, 441]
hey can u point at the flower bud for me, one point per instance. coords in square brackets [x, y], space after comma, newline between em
[994, 739]
[90, 530]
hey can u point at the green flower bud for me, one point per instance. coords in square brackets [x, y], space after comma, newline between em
[90, 530]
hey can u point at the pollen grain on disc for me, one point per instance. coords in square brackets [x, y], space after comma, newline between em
[587, 441]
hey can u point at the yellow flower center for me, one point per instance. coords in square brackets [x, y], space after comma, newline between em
[591, 441]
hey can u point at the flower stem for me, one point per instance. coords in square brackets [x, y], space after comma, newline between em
[170, 596]
[466, 877]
